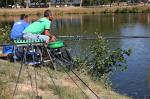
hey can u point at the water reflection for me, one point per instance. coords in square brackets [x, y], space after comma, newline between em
[134, 81]
[104, 24]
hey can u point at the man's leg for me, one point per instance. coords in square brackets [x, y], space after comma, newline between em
[44, 38]
[30, 36]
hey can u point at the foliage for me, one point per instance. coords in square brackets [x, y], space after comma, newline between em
[5, 3]
[123, 10]
[127, 10]
[146, 11]
[5, 31]
[105, 11]
[135, 10]
[101, 61]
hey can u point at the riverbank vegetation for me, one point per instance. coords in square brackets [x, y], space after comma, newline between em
[4, 34]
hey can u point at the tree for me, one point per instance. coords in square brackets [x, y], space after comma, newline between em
[81, 1]
[26, 3]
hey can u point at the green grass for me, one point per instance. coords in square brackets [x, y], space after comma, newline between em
[64, 88]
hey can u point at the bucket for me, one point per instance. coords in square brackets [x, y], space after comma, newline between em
[56, 44]
[7, 49]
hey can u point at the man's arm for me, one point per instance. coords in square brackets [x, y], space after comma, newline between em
[46, 32]
[52, 37]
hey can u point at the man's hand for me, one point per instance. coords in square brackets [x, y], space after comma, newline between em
[53, 38]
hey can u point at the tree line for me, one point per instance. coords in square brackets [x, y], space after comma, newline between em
[45, 3]
[22, 3]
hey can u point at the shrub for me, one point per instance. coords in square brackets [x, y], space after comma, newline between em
[123, 10]
[146, 11]
[5, 31]
[101, 61]
[105, 11]
[134, 10]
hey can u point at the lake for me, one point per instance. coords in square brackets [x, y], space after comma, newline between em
[135, 81]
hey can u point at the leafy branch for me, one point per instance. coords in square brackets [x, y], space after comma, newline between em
[100, 61]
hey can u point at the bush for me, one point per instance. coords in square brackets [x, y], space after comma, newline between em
[105, 11]
[5, 32]
[146, 11]
[134, 10]
[123, 10]
[101, 61]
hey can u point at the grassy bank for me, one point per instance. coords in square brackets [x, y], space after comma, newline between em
[66, 89]
[78, 10]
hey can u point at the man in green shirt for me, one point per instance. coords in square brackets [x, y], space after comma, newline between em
[40, 29]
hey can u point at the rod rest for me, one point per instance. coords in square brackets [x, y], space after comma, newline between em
[53, 45]
[27, 41]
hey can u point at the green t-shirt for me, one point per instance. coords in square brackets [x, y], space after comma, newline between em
[38, 26]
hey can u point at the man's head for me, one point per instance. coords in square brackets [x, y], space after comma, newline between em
[24, 17]
[48, 14]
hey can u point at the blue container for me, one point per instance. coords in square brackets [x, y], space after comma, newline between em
[8, 49]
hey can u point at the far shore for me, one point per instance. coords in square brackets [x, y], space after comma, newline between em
[77, 10]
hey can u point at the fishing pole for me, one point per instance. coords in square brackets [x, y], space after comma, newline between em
[71, 63]
[85, 84]
[48, 71]
[90, 37]
[93, 38]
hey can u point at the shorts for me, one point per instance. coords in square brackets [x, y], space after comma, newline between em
[30, 36]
